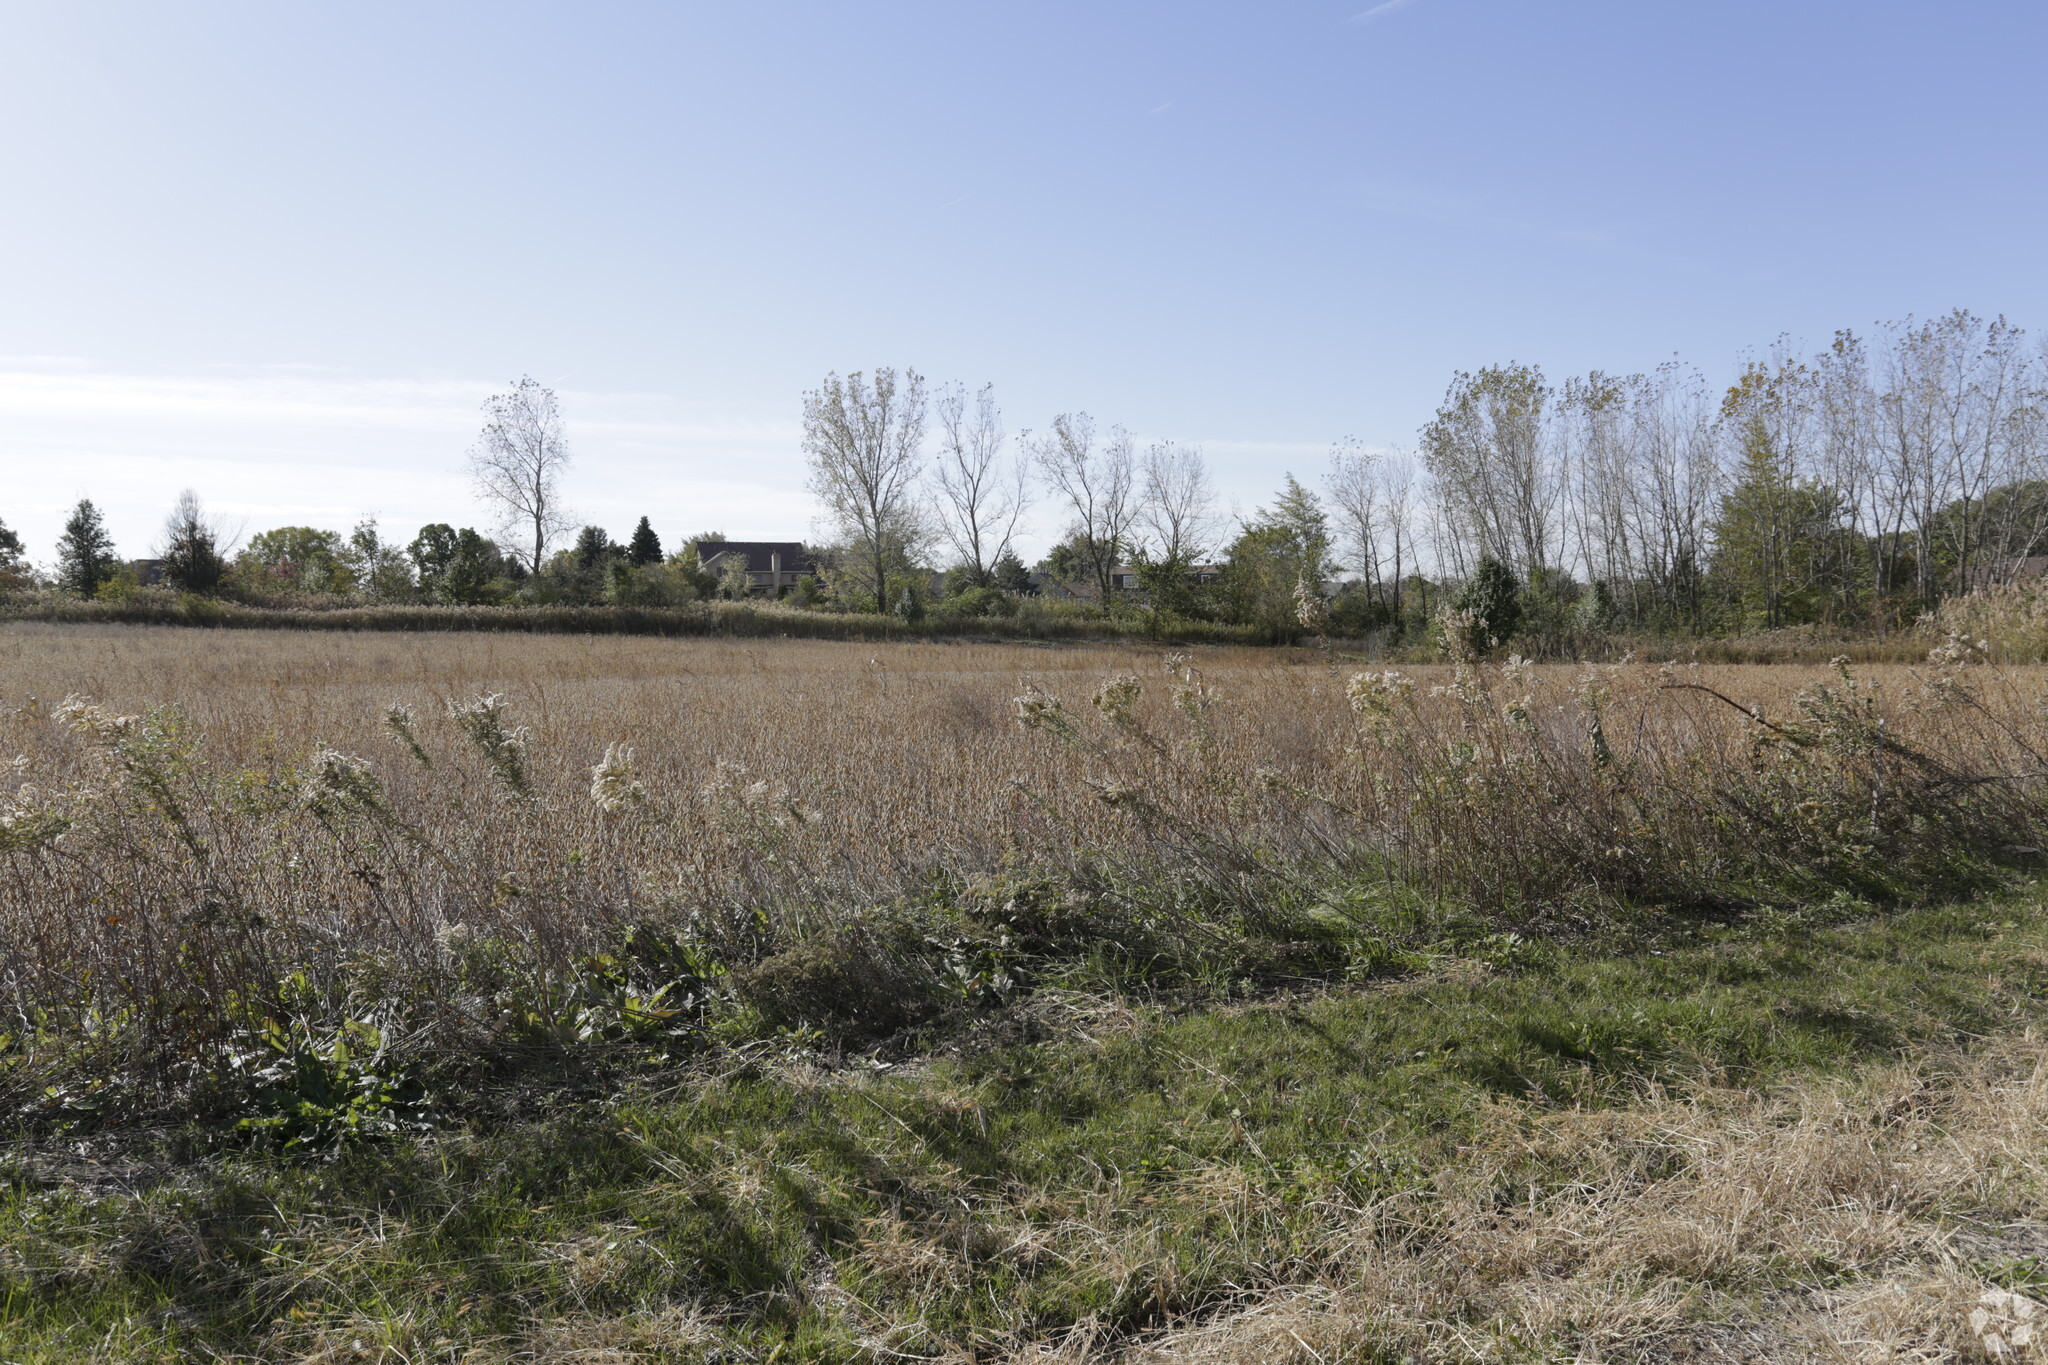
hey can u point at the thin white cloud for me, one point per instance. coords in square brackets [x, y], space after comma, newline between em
[1380, 11]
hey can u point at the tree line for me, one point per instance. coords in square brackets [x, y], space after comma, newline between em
[1858, 486]
[1854, 487]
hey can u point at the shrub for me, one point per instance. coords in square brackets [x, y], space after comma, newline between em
[980, 602]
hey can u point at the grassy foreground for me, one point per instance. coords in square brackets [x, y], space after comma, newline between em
[1804, 1136]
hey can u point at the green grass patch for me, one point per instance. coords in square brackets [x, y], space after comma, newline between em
[1136, 1164]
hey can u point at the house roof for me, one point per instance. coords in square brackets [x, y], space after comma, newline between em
[2007, 571]
[760, 555]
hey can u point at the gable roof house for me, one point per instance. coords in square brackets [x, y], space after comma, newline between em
[1123, 577]
[772, 566]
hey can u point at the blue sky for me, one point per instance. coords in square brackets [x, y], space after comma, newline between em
[281, 252]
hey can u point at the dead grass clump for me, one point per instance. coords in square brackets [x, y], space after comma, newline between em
[1842, 1220]
[454, 836]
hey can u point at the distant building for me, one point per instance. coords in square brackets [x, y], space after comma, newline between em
[773, 566]
[1994, 572]
[1123, 578]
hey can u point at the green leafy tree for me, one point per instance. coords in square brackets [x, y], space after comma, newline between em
[376, 566]
[431, 552]
[476, 571]
[85, 552]
[645, 547]
[1068, 561]
[909, 607]
[688, 568]
[1169, 584]
[1281, 548]
[1599, 610]
[298, 556]
[736, 583]
[459, 567]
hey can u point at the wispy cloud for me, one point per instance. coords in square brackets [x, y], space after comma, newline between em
[1160, 108]
[1379, 11]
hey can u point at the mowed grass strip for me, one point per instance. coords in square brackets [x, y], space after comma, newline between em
[1482, 1161]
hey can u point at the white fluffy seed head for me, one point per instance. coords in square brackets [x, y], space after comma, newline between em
[614, 782]
[1117, 698]
[83, 716]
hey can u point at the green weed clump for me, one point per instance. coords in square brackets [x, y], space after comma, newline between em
[1506, 1154]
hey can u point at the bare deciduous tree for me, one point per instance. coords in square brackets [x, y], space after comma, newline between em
[1098, 484]
[1178, 505]
[518, 461]
[864, 440]
[981, 495]
[1642, 470]
[1371, 491]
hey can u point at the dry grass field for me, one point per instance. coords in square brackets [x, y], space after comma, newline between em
[205, 822]
[976, 1002]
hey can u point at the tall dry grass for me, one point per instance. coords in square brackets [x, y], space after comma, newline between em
[205, 828]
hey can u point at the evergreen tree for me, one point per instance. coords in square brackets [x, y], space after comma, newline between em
[645, 547]
[85, 552]
[191, 555]
[593, 547]
[1776, 539]
[1494, 601]
[1305, 529]
[13, 565]
[1010, 575]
